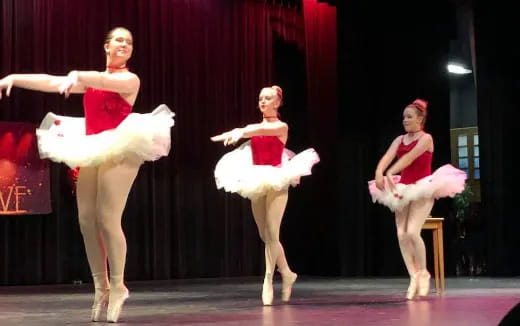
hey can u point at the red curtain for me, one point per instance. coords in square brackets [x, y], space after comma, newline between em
[205, 59]
[322, 73]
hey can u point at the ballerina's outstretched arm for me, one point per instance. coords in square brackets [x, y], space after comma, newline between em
[38, 82]
[278, 128]
[74, 82]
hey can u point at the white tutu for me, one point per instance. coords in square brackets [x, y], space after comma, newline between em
[446, 181]
[139, 137]
[235, 171]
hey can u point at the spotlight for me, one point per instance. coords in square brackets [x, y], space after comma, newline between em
[458, 69]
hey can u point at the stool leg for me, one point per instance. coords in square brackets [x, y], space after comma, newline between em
[436, 258]
[441, 260]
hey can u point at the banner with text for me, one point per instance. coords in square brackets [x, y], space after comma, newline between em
[24, 177]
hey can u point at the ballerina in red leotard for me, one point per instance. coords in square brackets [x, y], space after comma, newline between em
[411, 195]
[262, 170]
[108, 145]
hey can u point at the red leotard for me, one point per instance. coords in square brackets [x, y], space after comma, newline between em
[267, 150]
[104, 110]
[419, 168]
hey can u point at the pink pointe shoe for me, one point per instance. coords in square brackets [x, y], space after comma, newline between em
[115, 304]
[267, 290]
[288, 280]
[102, 292]
[412, 288]
[99, 306]
[423, 283]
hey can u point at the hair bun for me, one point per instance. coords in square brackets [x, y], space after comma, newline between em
[278, 90]
[420, 104]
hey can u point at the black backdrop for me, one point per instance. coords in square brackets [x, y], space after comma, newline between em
[391, 55]
[498, 86]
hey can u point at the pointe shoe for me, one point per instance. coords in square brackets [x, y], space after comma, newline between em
[115, 304]
[412, 288]
[99, 306]
[287, 283]
[423, 284]
[101, 296]
[267, 290]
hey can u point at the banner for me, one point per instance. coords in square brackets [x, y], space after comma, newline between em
[24, 177]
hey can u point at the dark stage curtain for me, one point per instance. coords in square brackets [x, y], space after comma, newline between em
[389, 54]
[322, 100]
[498, 86]
[207, 60]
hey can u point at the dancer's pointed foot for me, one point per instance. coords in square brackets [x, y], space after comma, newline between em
[288, 280]
[423, 283]
[267, 290]
[412, 288]
[115, 305]
[101, 296]
[100, 304]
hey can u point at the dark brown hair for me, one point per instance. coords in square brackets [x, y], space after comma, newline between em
[109, 35]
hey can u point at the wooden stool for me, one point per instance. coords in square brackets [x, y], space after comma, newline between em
[435, 224]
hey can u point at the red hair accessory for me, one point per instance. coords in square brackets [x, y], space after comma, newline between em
[419, 104]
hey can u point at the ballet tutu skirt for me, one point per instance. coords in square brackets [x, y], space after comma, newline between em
[446, 181]
[139, 137]
[236, 173]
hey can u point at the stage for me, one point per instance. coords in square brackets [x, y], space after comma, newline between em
[236, 301]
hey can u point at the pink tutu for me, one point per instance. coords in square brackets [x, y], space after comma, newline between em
[446, 181]
[235, 171]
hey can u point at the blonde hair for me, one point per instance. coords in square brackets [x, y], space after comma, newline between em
[279, 91]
